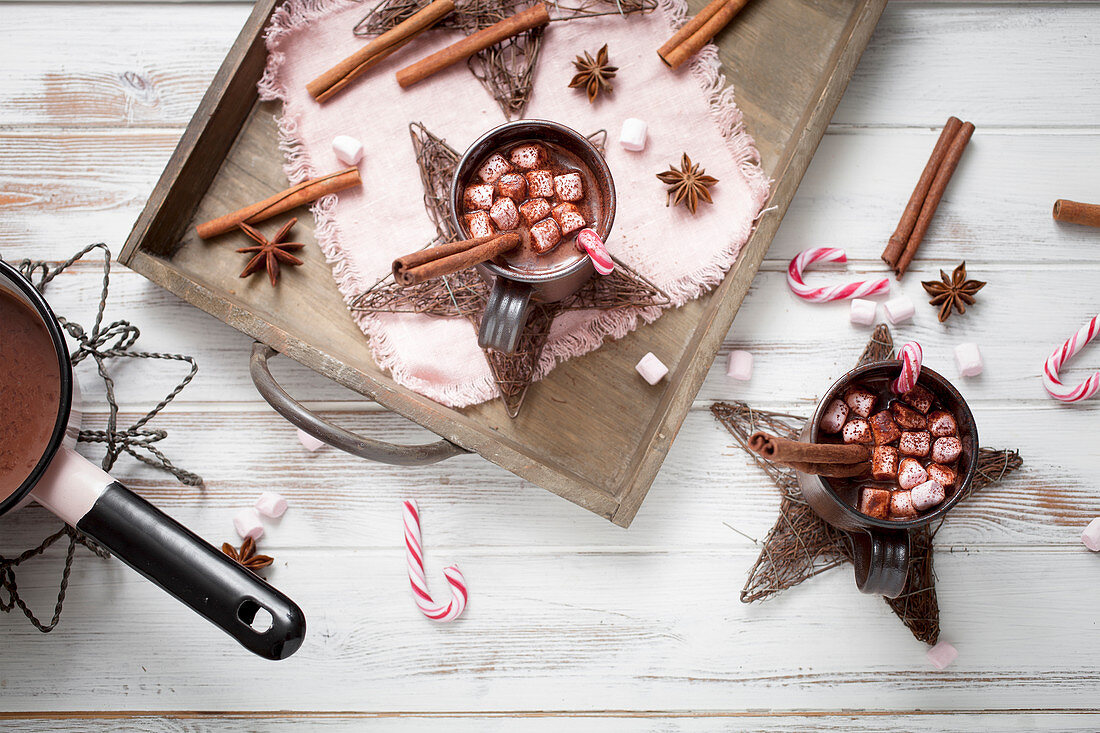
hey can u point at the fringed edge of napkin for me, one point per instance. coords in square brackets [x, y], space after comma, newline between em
[725, 113]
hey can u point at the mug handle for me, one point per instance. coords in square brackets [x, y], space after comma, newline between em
[881, 560]
[505, 316]
[173, 557]
[334, 435]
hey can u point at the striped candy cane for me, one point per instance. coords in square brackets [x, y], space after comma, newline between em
[414, 553]
[911, 356]
[804, 260]
[1054, 362]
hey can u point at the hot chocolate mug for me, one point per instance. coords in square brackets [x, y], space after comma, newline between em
[513, 291]
[139, 534]
[881, 546]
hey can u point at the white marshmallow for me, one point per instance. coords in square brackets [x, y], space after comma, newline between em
[271, 504]
[911, 474]
[651, 368]
[247, 522]
[927, 495]
[1091, 536]
[863, 312]
[349, 151]
[899, 309]
[835, 416]
[942, 655]
[309, 442]
[968, 359]
[739, 365]
[633, 134]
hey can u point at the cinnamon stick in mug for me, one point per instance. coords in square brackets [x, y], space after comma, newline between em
[450, 258]
[699, 31]
[291, 198]
[533, 17]
[833, 470]
[1076, 212]
[325, 86]
[783, 450]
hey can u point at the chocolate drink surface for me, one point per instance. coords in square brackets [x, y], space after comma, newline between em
[30, 391]
[915, 448]
[540, 190]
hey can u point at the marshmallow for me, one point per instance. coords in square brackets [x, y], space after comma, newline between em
[918, 398]
[942, 655]
[512, 185]
[478, 197]
[310, 443]
[901, 505]
[946, 450]
[545, 235]
[505, 214]
[907, 417]
[495, 167]
[875, 502]
[633, 134]
[861, 400]
[835, 415]
[247, 522]
[911, 474]
[528, 157]
[651, 368]
[915, 443]
[857, 431]
[899, 309]
[569, 186]
[534, 210]
[884, 462]
[349, 151]
[863, 312]
[540, 184]
[884, 428]
[568, 217]
[739, 366]
[928, 494]
[1091, 536]
[942, 475]
[479, 224]
[968, 359]
[271, 504]
[941, 423]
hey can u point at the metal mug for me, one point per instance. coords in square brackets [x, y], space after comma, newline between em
[152, 543]
[513, 292]
[881, 546]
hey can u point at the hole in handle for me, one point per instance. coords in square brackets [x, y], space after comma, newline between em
[255, 616]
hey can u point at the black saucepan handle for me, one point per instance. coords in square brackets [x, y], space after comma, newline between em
[207, 580]
[881, 559]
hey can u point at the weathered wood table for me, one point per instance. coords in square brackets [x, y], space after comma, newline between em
[573, 621]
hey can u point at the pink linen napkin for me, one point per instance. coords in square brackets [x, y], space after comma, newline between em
[361, 231]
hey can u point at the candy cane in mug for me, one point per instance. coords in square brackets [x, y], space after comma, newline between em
[593, 245]
[910, 356]
[804, 260]
[414, 554]
[1064, 353]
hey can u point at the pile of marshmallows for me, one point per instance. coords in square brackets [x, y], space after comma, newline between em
[250, 522]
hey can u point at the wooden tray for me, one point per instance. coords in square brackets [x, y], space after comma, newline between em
[789, 60]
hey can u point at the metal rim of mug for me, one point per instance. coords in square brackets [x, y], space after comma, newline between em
[64, 364]
[963, 483]
[535, 124]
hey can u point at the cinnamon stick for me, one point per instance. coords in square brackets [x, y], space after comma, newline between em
[783, 450]
[898, 239]
[833, 470]
[935, 193]
[1076, 212]
[325, 86]
[533, 17]
[698, 31]
[448, 258]
[293, 197]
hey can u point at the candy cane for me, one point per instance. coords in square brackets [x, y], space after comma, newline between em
[804, 260]
[414, 553]
[593, 245]
[911, 356]
[1054, 362]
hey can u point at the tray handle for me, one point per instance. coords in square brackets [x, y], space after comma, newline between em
[334, 435]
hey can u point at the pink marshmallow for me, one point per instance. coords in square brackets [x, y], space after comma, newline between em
[899, 309]
[247, 522]
[1091, 536]
[651, 368]
[309, 442]
[863, 312]
[271, 504]
[739, 365]
[968, 359]
[942, 654]
[928, 495]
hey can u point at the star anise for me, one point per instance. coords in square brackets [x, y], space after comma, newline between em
[270, 252]
[687, 184]
[594, 74]
[952, 292]
[247, 555]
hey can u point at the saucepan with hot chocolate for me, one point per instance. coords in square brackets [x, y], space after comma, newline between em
[37, 462]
